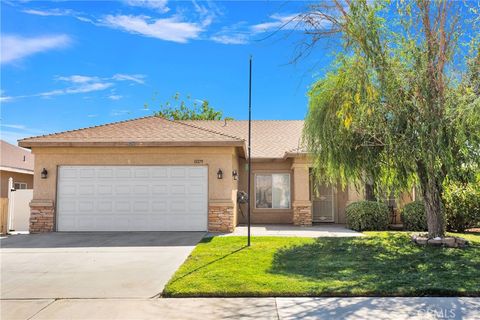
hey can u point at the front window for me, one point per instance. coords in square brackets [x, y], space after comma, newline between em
[272, 191]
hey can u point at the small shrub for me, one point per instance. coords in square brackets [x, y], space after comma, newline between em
[367, 215]
[414, 217]
[462, 206]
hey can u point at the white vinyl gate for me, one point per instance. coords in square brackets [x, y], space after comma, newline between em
[132, 198]
[19, 210]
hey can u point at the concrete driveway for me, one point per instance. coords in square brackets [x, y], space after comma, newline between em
[92, 265]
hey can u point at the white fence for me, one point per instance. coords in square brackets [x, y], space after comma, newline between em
[18, 209]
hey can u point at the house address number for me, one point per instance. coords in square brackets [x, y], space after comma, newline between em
[198, 161]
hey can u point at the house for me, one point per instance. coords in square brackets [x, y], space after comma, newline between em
[16, 163]
[153, 174]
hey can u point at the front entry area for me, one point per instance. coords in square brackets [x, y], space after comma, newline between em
[323, 202]
[132, 198]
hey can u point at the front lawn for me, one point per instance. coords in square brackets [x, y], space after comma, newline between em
[380, 264]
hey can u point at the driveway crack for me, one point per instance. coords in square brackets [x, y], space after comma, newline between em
[48, 305]
[276, 308]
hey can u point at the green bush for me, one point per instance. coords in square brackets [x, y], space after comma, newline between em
[462, 206]
[414, 217]
[367, 215]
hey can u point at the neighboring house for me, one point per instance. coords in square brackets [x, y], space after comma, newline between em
[16, 163]
[156, 174]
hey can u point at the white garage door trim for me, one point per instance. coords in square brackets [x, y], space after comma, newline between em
[132, 198]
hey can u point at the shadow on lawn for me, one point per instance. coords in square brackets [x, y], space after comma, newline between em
[389, 265]
[209, 263]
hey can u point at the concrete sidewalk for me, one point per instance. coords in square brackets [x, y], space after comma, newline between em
[286, 230]
[243, 308]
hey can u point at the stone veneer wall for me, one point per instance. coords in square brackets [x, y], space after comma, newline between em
[42, 216]
[302, 215]
[220, 218]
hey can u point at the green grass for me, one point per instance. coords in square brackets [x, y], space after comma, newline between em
[380, 264]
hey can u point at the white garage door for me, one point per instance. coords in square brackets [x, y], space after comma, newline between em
[132, 198]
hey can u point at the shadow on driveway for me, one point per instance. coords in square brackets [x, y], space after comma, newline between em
[101, 239]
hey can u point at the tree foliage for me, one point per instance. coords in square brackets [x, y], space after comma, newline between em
[401, 104]
[181, 109]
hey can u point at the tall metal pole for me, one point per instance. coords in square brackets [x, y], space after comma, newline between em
[249, 147]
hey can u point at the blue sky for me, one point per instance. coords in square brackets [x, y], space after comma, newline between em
[67, 65]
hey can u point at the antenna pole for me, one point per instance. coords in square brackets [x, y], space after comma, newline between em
[249, 148]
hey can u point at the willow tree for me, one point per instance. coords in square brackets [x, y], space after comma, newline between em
[400, 105]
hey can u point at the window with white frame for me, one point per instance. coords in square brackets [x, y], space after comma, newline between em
[272, 191]
[19, 185]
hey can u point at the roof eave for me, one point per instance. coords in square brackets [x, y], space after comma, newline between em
[294, 154]
[30, 144]
[17, 170]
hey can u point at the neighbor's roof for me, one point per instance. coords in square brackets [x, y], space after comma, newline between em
[15, 159]
[270, 138]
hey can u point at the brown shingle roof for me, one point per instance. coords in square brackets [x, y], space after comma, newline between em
[270, 138]
[15, 158]
[147, 131]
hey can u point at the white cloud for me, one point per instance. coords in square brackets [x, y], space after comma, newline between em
[284, 22]
[119, 112]
[52, 12]
[169, 29]
[230, 38]
[241, 33]
[78, 79]
[138, 78]
[83, 88]
[158, 5]
[4, 98]
[115, 97]
[15, 47]
[84, 84]
[14, 126]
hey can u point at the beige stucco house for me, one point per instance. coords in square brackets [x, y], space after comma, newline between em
[152, 174]
[15, 163]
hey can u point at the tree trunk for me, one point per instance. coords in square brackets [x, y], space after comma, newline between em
[432, 197]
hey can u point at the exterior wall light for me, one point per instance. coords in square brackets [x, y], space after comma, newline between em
[235, 175]
[220, 174]
[44, 173]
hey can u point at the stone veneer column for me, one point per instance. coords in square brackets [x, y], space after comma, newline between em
[221, 217]
[42, 216]
[302, 213]
[302, 206]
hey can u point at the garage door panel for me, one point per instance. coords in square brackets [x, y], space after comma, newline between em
[105, 173]
[122, 190]
[195, 172]
[123, 173]
[86, 190]
[132, 198]
[141, 190]
[104, 190]
[105, 206]
[122, 206]
[177, 189]
[86, 206]
[86, 173]
[177, 172]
